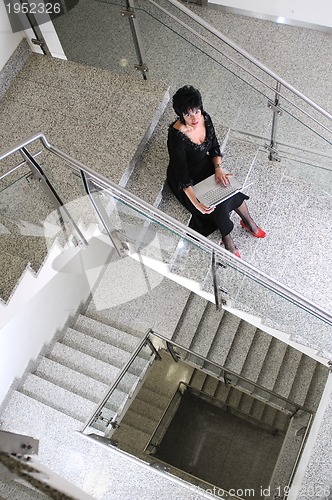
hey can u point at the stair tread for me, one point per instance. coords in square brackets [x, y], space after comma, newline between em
[316, 387]
[156, 398]
[287, 372]
[206, 329]
[18, 491]
[242, 342]
[85, 363]
[106, 333]
[140, 422]
[256, 355]
[303, 380]
[101, 350]
[189, 320]
[16, 417]
[11, 269]
[224, 338]
[272, 363]
[210, 385]
[61, 399]
[133, 439]
[74, 381]
[31, 249]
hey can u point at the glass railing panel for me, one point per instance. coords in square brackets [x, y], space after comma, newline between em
[29, 227]
[154, 245]
[103, 32]
[230, 99]
[122, 393]
[241, 90]
[302, 125]
[313, 169]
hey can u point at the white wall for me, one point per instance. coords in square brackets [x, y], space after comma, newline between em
[35, 322]
[8, 40]
[303, 11]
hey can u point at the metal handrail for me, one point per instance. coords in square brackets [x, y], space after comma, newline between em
[244, 53]
[230, 372]
[138, 349]
[182, 230]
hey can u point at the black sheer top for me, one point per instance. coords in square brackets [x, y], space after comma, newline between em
[189, 162]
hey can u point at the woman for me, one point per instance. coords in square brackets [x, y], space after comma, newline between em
[194, 155]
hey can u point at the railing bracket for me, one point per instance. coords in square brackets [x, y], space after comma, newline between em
[128, 13]
[274, 107]
[141, 67]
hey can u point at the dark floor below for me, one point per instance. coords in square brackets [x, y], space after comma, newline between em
[218, 447]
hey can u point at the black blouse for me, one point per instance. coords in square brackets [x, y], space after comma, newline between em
[190, 162]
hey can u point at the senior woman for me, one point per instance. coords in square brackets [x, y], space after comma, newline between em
[194, 155]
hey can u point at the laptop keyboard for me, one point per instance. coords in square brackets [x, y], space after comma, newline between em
[217, 193]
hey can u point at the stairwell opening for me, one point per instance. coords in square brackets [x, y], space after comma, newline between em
[214, 431]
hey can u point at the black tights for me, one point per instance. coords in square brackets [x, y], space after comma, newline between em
[243, 212]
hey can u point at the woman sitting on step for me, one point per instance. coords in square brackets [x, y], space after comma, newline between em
[194, 155]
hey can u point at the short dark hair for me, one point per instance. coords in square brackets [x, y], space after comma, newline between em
[186, 98]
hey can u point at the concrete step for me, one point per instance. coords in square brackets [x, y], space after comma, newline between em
[155, 398]
[222, 392]
[106, 333]
[316, 387]
[197, 379]
[31, 249]
[146, 409]
[130, 439]
[207, 329]
[234, 397]
[287, 373]
[16, 490]
[58, 398]
[140, 422]
[101, 350]
[190, 319]
[90, 366]
[238, 353]
[70, 379]
[25, 415]
[224, 338]
[210, 385]
[78, 383]
[272, 364]
[303, 380]
[256, 355]
[11, 269]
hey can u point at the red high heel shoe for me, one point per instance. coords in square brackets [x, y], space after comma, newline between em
[260, 233]
[237, 253]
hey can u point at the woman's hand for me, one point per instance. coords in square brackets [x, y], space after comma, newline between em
[203, 208]
[184, 128]
[221, 176]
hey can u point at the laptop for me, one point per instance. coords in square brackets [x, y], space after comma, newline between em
[212, 193]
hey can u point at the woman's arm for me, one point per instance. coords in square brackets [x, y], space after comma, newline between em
[197, 204]
[219, 173]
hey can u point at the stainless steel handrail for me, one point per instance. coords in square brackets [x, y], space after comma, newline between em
[245, 54]
[186, 232]
[138, 349]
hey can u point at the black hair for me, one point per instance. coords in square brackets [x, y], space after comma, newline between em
[186, 98]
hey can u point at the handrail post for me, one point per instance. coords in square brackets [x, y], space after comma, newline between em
[275, 108]
[39, 174]
[131, 14]
[114, 235]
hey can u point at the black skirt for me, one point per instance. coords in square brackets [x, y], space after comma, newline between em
[206, 224]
